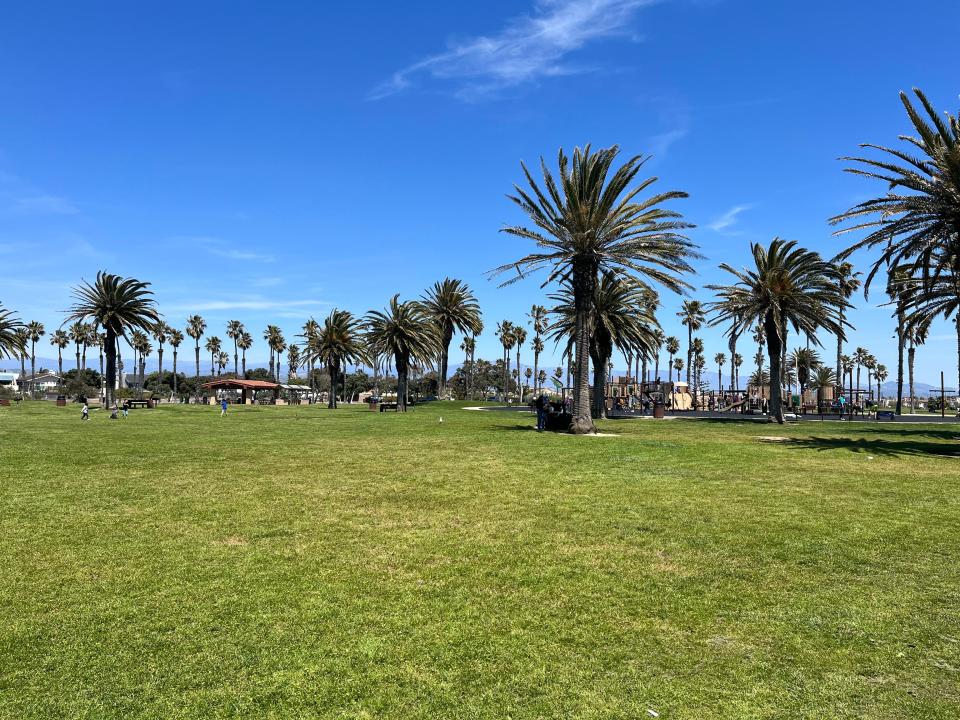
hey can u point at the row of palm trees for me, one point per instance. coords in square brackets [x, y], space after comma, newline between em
[609, 243]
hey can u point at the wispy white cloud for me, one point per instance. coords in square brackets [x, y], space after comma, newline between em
[728, 219]
[44, 205]
[528, 48]
[244, 304]
[221, 248]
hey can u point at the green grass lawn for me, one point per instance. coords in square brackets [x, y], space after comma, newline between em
[293, 562]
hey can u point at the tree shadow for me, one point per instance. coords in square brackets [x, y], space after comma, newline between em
[869, 446]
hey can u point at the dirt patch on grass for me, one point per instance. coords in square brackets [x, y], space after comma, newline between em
[773, 438]
[233, 541]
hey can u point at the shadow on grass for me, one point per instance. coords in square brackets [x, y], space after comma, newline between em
[887, 448]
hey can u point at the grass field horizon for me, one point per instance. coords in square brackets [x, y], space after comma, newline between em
[302, 562]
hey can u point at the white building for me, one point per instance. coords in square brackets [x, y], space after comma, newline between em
[9, 380]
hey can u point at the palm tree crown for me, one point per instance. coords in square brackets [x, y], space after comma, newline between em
[118, 305]
[919, 215]
[404, 331]
[454, 308]
[337, 343]
[788, 286]
[589, 220]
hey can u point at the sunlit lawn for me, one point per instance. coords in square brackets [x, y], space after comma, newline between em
[299, 562]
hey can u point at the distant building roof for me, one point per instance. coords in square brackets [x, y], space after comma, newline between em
[237, 384]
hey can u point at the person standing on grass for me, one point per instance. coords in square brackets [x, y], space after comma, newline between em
[223, 406]
[540, 404]
[85, 411]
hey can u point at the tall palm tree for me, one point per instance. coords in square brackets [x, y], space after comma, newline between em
[870, 363]
[338, 342]
[673, 347]
[693, 315]
[924, 298]
[620, 319]
[196, 327]
[540, 322]
[10, 339]
[78, 335]
[235, 331]
[519, 337]
[505, 333]
[98, 340]
[35, 331]
[118, 305]
[803, 361]
[175, 337]
[404, 331]
[916, 334]
[214, 346]
[310, 331]
[678, 366]
[918, 217]
[222, 360]
[589, 220]
[658, 339]
[294, 360]
[861, 357]
[277, 346]
[452, 305]
[60, 340]
[160, 333]
[897, 280]
[696, 347]
[469, 346]
[880, 374]
[788, 286]
[244, 342]
[720, 359]
[848, 282]
[23, 340]
[737, 361]
[846, 365]
[141, 345]
[272, 335]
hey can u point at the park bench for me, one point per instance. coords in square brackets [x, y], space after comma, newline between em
[387, 406]
[132, 404]
[885, 415]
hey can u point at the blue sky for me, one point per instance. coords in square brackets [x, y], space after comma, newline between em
[267, 162]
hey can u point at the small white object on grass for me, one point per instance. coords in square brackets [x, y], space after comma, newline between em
[652, 713]
[441, 419]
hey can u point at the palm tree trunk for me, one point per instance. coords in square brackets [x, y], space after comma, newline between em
[60, 365]
[911, 356]
[584, 282]
[33, 368]
[174, 372]
[599, 387]
[110, 346]
[519, 381]
[899, 366]
[235, 357]
[196, 389]
[775, 352]
[160, 368]
[78, 358]
[332, 400]
[656, 365]
[840, 353]
[401, 365]
[243, 367]
[689, 352]
[536, 369]
[957, 320]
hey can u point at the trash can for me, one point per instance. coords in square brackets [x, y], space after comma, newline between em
[150, 403]
[61, 400]
[659, 410]
[374, 405]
